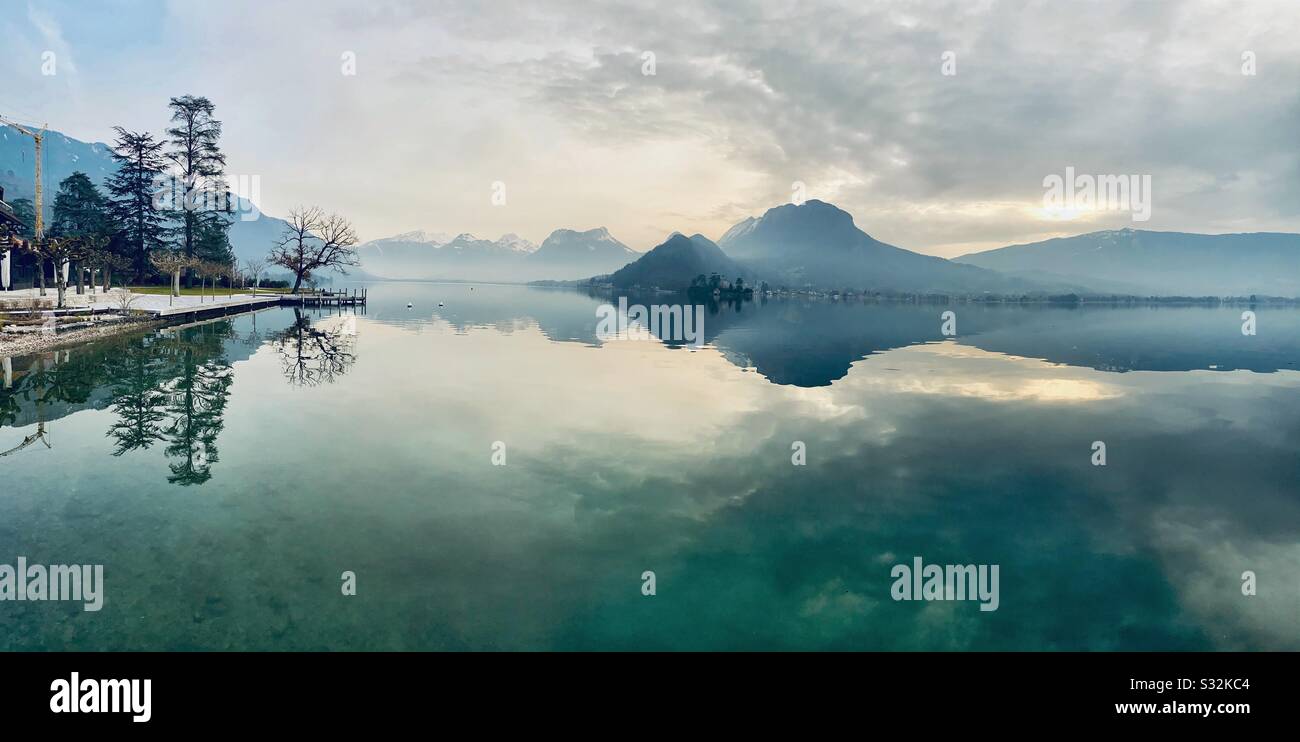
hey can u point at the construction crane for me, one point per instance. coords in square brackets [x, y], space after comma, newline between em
[39, 435]
[39, 226]
[39, 137]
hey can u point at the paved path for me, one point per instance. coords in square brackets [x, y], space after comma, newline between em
[161, 305]
[181, 306]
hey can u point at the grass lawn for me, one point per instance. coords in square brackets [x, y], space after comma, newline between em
[165, 290]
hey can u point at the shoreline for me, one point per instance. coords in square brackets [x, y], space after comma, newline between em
[39, 342]
[144, 318]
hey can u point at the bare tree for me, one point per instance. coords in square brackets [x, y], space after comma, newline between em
[313, 240]
[214, 271]
[171, 263]
[207, 269]
[124, 299]
[314, 354]
[255, 268]
[94, 257]
[59, 251]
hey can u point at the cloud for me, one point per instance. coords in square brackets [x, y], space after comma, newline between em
[52, 34]
[747, 98]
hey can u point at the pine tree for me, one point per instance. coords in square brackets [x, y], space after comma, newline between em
[200, 165]
[197, 401]
[80, 210]
[133, 189]
[138, 396]
[26, 213]
[212, 239]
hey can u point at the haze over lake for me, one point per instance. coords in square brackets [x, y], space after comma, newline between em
[226, 475]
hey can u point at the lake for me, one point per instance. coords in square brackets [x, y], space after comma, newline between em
[498, 475]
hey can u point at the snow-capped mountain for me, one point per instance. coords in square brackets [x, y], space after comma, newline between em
[430, 238]
[739, 229]
[565, 254]
[515, 242]
[568, 254]
[63, 156]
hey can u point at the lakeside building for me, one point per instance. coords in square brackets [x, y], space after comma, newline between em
[10, 244]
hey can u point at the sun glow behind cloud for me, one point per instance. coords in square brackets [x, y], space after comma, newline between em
[745, 100]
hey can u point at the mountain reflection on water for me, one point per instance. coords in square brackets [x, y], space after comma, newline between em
[227, 473]
[813, 342]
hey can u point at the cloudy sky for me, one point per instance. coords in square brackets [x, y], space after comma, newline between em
[552, 99]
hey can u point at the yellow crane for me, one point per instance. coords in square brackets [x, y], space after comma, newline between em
[39, 137]
[39, 435]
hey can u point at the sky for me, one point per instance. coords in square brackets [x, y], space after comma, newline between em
[525, 117]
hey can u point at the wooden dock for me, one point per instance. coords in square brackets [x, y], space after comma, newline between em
[190, 312]
[244, 304]
[354, 298]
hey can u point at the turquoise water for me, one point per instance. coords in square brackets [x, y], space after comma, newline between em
[226, 475]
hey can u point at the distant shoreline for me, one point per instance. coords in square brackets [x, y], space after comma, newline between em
[939, 298]
[892, 296]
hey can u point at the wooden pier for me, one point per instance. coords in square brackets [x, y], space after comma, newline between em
[190, 312]
[353, 298]
[218, 308]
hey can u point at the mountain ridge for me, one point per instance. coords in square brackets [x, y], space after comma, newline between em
[675, 262]
[1159, 262]
[817, 243]
[565, 254]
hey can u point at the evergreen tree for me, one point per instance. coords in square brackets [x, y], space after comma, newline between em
[138, 396]
[80, 210]
[196, 401]
[200, 166]
[26, 213]
[212, 239]
[133, 189]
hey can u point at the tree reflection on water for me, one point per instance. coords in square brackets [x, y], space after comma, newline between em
[169, 387]
[312, 354]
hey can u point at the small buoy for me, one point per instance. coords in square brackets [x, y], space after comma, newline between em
[409, 305]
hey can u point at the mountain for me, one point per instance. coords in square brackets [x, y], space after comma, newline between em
[567, 254]
[425, 256]
[64, 155]
[516, 243]
[253, 239]
[673, 264]
[466, 244]
[419, 235]
[1158, 263]
[817, 243]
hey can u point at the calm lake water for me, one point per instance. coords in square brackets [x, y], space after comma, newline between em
[227, 474]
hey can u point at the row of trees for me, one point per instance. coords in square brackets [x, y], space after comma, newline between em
[191, 216]
[125, 226]
[179, 230]
[714, 281]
